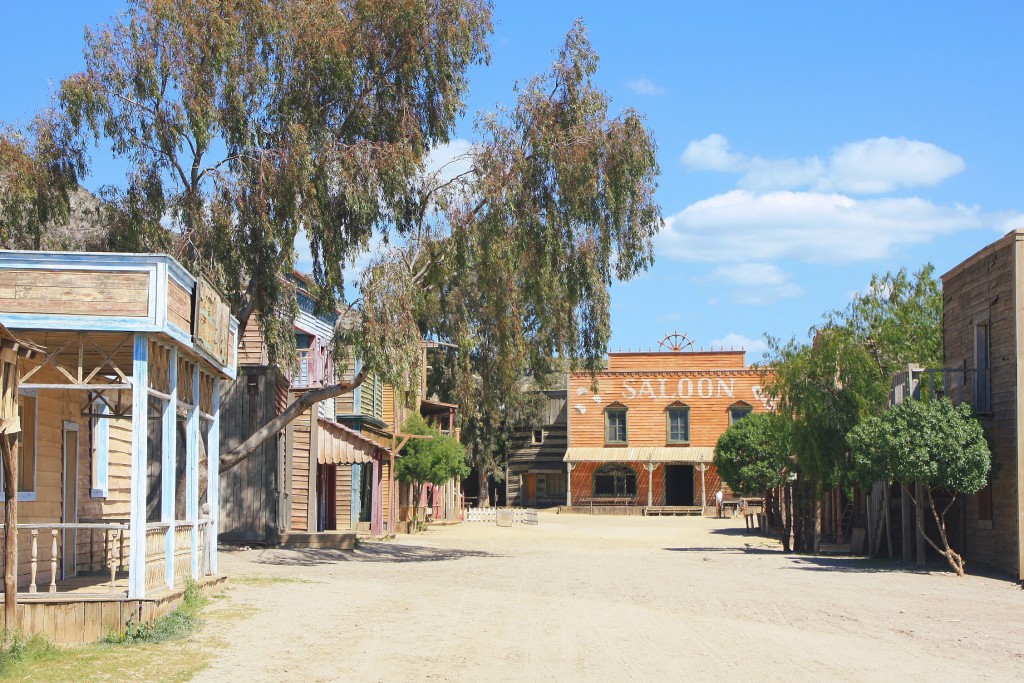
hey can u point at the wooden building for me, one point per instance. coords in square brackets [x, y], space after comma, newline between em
[330, 474]
[983, 334]
[119, 447]
[536, 470]
[642, 433]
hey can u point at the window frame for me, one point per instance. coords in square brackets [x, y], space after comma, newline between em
[28, 496]
[534, 439]
[670, 411]
[981, 387]
[617, 409]
[618, 472]
[739, 405]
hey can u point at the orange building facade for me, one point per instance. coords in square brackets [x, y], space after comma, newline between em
[643, 432]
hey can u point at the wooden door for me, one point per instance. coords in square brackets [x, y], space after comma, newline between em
[530, 497]
[69, 537]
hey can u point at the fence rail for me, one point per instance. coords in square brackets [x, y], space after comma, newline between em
[490, 515]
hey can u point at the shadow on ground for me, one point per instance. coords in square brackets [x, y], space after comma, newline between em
[372, 552]
[749, 550]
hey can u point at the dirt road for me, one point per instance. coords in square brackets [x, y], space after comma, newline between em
[580, 598]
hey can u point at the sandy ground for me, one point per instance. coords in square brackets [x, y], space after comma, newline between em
[580, 598]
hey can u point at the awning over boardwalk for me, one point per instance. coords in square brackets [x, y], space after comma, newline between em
[685, 454]
[337, 444]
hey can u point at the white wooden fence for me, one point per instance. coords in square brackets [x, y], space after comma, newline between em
[519, 515]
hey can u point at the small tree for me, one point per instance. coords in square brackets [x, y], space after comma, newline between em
[753, 456]
[932, 443]
[436, 459]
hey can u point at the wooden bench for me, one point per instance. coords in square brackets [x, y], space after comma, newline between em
[607, 500]
[657, 510]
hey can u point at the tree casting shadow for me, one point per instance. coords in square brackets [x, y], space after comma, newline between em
[370, 552]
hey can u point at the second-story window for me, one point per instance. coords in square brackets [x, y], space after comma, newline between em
[738, 411]
[615, 425]
[678, 417]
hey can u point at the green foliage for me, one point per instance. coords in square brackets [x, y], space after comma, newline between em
[177, 624]
[17, 652]
[436, 459]
[933, 443]
[753, 455]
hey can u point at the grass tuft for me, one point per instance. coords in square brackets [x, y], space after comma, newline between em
[176, 625]
[17, 652]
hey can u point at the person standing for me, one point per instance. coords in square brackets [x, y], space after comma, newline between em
[718, 500]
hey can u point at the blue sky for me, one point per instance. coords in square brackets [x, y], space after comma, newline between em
[803, 145]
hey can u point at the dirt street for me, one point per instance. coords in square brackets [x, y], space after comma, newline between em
[581, 598]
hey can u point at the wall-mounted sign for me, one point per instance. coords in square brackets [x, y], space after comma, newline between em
[212, 322]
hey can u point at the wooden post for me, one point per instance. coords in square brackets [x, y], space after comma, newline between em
[140, 446]
[111, 562]
[10, 457]
[703, 489]
[53, 561]
[314, 446]
[568, 484]
[650, 483]
[213, 477]
[33, 562]
[169, 466]
[192, 437]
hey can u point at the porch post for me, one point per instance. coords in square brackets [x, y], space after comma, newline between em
[568, 484]
[140, 444]
[377, 508]
[192, 469]
[213, 470]
[169, 443]
[650, 483]
[703, 490]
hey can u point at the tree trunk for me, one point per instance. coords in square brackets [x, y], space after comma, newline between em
[267, 431]
[787, 518]
[485, 488]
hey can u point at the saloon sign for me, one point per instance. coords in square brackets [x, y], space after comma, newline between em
[681, 388]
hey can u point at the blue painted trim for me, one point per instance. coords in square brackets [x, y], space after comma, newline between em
[169, 449]
[158, 295]
[213, 465]
[77, 322]
[140, 443]
[64, 259]
[356, 488]
[192, 427]
[101, 435]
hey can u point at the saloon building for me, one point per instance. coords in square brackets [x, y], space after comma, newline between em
[642, 433]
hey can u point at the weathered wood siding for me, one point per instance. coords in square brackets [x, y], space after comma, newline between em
[249, 490]
[983, 289]
[179, 306]
[686, 360]
[82, 292]
[343, 496]
[527, 457]
[299, 470]
[253, 351]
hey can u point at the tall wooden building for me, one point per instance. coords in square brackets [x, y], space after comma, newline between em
[536, 471]
[983, 334]
[643, 431]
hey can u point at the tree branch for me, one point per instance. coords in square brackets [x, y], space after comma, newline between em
[264, 433]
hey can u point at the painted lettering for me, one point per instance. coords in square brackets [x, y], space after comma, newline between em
[628, 390]
[727, 389]
[705, 387]
[688, 384]
[646, 389]
[662, 383]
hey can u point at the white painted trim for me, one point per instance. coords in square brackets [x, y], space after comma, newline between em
[137, 524]
[101, 451]
[213, 467]
[158, 295]
[69, 534]
[192, 436]
[168, 464]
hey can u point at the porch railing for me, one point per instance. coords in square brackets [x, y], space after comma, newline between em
[106, 546]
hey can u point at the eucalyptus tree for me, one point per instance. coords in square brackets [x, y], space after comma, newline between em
[511, 257]
[247, 124]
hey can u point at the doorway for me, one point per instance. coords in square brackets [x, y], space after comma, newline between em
[679, 485]
[69, 539]
[326, 497]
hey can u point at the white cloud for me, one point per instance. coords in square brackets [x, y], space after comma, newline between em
[756, 284]
[643, 86]
[813, 227]
[873, 166]
[450, 159]
[738, 341]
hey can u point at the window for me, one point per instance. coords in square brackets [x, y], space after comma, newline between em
[551, 484]
[538, 436]
[27, 412]
[678, 424]
[982, 356]
[618, 481]
[101, 450]
[739, 411]
[615, 425]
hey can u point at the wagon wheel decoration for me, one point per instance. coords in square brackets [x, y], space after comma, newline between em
[676, 342]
